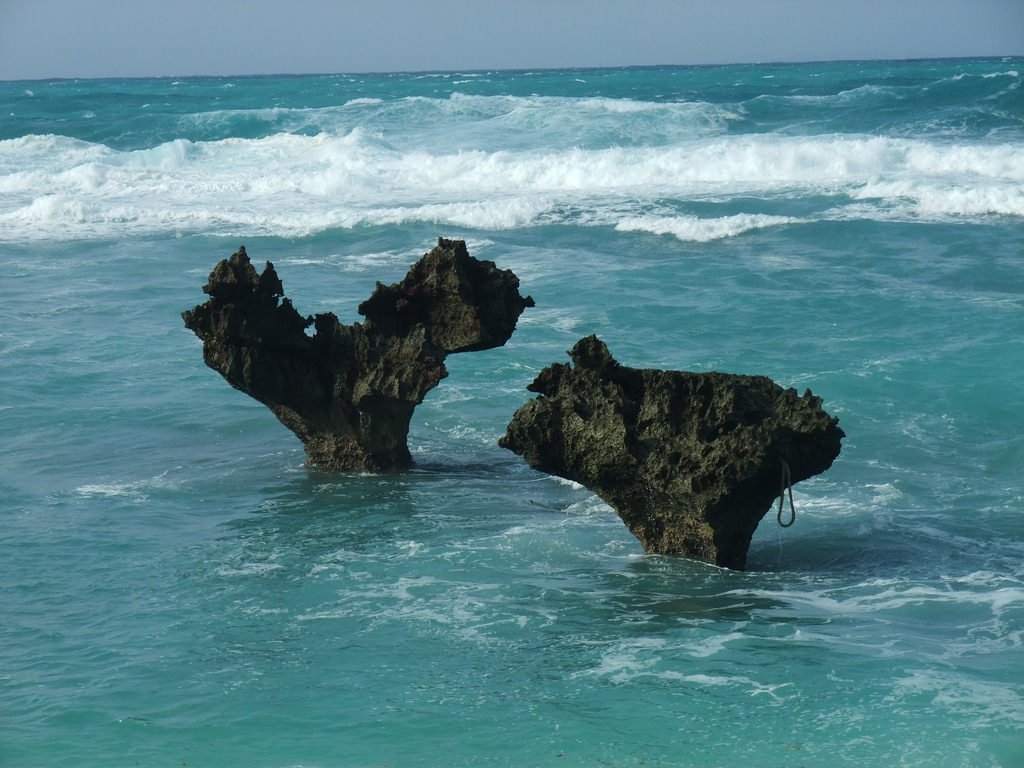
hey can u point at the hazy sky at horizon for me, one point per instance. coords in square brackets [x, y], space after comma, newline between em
[137, 38]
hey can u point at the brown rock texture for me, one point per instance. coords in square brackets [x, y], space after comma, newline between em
[691, 462]
[348, 391]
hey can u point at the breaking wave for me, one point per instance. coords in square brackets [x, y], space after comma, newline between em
[293, 185]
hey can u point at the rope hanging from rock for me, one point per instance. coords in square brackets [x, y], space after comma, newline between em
[786, 484]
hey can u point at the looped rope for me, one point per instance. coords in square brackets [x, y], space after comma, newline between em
[786, 484]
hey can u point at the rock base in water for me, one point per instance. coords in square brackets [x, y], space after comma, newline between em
[348, 391]
[690, 461]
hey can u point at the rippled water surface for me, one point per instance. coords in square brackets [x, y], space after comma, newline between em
[178, 589]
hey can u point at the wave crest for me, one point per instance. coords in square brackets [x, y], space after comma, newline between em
[290, 184]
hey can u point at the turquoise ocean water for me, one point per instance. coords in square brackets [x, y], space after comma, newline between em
[178, 589]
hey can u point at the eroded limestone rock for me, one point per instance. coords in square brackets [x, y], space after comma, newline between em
[690, 461]
[348, 391]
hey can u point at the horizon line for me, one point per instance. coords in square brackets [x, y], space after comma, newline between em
[478, 70]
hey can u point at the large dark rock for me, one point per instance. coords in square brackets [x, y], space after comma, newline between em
[348, 391]
[690, 461]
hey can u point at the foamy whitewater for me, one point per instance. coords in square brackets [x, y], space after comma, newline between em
[177, 588]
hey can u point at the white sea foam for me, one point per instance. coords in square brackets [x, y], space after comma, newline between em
[649, 658]
[61, 188]
[627, 660]
[698, 230]
[981, 702]
[886, 598]
[136, 491]
[248, 569]
[559, 319]
[456, 609]
[988, 75]
[132, 491]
